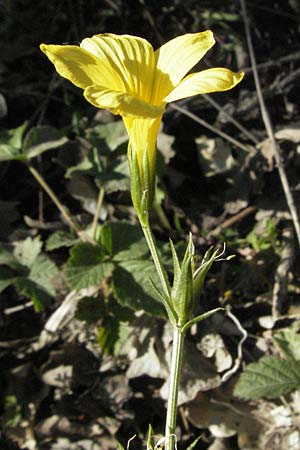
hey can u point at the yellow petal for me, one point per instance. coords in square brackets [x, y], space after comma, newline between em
[81, 67]
[211, 80]
[121, 103]
[143, 133]
[177, 57]
[129, 56]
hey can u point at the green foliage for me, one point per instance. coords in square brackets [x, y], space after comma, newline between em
[11, 143]
[289, 341]
[269, 377]
[262, 240]
[41, 139]
[131, 286]
[15, 144]
[12, 412]
[106, 162]
[29, 271]
[60, 239]
[112, 334]
[90, 309]
[123, 254]
[86, 266]
[123, 241]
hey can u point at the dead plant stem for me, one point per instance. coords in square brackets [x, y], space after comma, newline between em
[269, 126]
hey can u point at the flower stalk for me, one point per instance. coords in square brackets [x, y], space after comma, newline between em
[175, 370]
[125, 75]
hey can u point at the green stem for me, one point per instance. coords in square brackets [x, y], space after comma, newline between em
[97, 212]
[176, 363]
[157, 261]
[66, 215]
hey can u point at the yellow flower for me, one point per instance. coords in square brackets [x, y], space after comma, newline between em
[126, 76]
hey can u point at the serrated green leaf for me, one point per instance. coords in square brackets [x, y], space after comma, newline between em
[123, 241]
[7, 277]
[132, 288]
[289, 341]
[8, 215]
[116, 177]
[11, 143]
[86, 266]
[8, 153]
[14, 136]
[42, 272]
[60, 239]
[41, 139]
[7, 258]
[90, 309]
[269, 377]
[91, 164]
[112, 334]
[35, 292]
[114, 134]
[27, 251]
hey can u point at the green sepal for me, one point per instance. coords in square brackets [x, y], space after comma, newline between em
[182, 291]
[200, 274]
[176, 265]
[142, 185]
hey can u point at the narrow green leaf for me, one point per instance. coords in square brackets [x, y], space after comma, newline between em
[176, 265]
[269, 377]
[197, 319]
[150, 439]
[86, 266]
[194, 443]
[166, 302]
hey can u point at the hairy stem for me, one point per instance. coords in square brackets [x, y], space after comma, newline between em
[176, 363]
[156, 259]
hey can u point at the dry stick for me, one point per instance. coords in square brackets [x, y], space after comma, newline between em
[269, 127]
[65, 213]
[210, 127]
[231, 119]
[97, 211]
